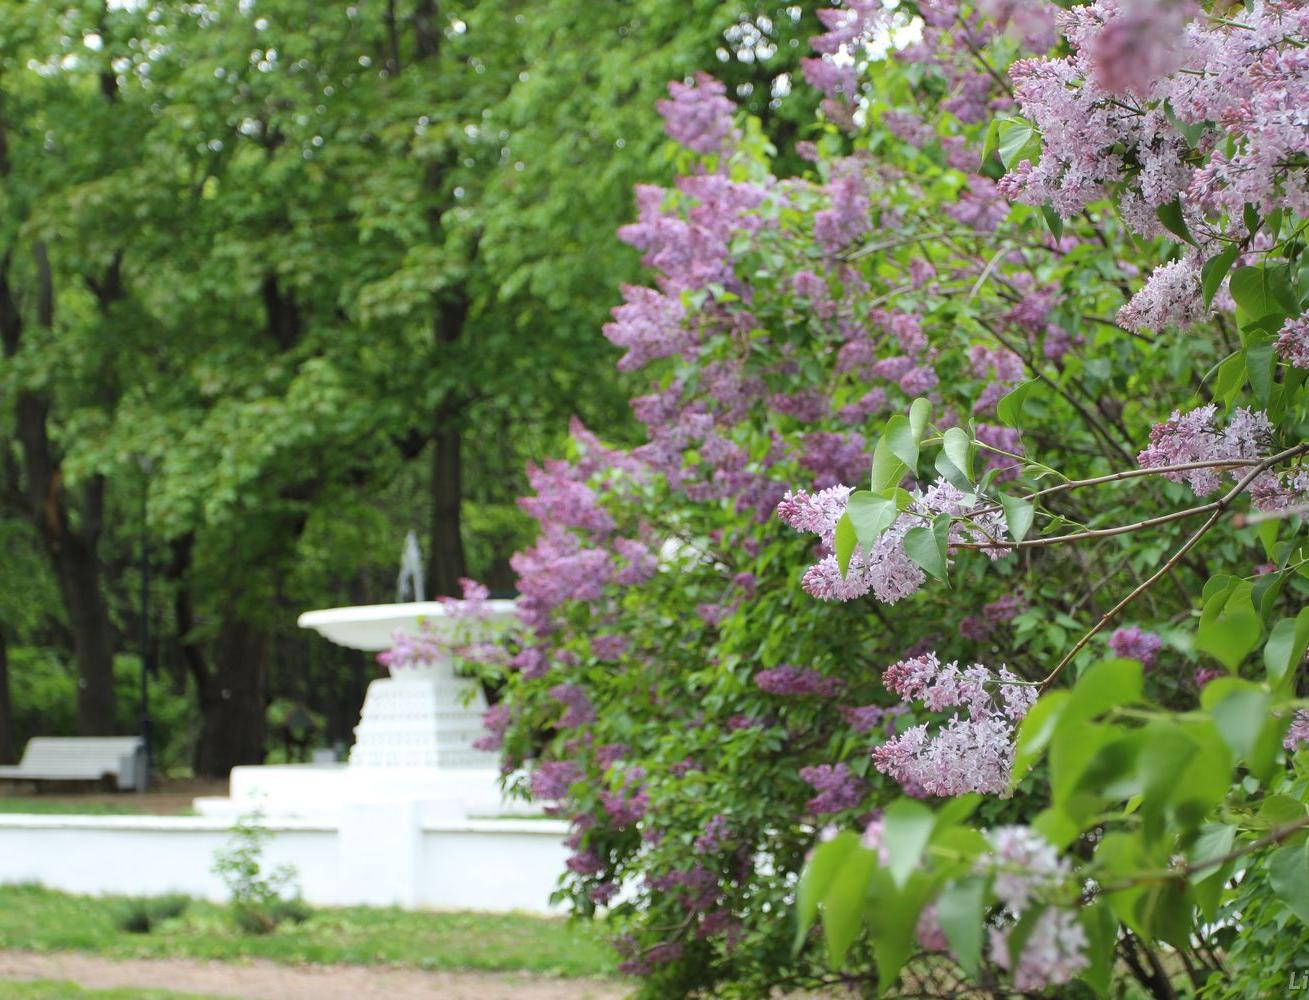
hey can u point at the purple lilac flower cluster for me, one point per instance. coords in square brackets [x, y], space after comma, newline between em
[429, 646]
[1134, 643]
[886, 570]
[1297, 734]
[1195, 437]
[698, 115]
[1027, 869]
[796, 682]
[969, 754]
[837, 786]
[1140, 74]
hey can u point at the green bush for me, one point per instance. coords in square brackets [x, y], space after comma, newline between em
[142, 914]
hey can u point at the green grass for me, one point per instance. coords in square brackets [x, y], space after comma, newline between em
[47, 989]
[37, 919]
[55, 807]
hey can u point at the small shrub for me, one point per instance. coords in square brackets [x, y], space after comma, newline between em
[261, 899]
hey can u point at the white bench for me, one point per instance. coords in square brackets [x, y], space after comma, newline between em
[81, 758]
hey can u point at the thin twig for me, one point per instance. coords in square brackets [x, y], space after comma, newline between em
[1191, 868]
[1220, 506]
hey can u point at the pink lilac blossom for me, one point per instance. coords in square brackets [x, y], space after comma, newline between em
[873, 401]
[981, 206]
[921, 272]
[555, 570]
[1293, 341]
[578, 708]
[974, 753]
[930, 934]
[1170, 297]
[886, 570]
[972, 523]
[609, 754]
[1194, 437]
[1000, 439]
[1025, 864]
[848, 216]
[585, 863]
[816, 513]
[1032, 21]
[833, 457]
[874, 839]
[712, 614]
[837, 786]
[609, 646]
[833, 79]
[849, 29]
[1204, 675]
[630, 802]
[1139, 45]
[699, 115]
[866, 718]
[495, 720]
[999, 368]
[686, 236]
[1053, 954]
[532, 661]
[1004, 609]
[808, 406]
[431, 645]
[640, 562]
[562, 500]
[473, 603]
[1134, 643]
[716, 835]
[1298, 733]
[1279, 491]
[1101, 110]
[648, 325]
[793, 682]
[552, 779]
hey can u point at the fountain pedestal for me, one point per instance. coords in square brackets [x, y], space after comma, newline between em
[414, 740]
[421, 718]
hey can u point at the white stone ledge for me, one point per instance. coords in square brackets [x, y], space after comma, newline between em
[169, 824]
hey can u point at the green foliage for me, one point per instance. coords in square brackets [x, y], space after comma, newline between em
[44, 692]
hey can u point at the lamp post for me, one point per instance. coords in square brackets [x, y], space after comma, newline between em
[146, 466]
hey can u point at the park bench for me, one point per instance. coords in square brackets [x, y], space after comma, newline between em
[81, 758]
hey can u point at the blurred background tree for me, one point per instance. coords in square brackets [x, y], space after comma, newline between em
[280, 281]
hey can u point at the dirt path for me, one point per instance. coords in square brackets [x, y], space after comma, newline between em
[268, 981]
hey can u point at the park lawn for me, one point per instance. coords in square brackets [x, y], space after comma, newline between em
[48, 989]
[67, 807]
[38, 919]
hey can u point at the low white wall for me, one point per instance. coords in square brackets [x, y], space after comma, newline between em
[377, 856]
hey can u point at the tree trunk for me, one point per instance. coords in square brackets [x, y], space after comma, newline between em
[73, 550]
[447, 560]
[7, 755]
[77, 569]
[233, 701]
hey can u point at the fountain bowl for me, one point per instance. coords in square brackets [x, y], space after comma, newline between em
[371, 627]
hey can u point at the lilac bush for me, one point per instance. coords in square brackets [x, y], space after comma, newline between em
[1011, 375]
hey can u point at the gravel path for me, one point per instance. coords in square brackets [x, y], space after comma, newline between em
[269, 981]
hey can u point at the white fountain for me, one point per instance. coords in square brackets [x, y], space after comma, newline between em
[412, 773]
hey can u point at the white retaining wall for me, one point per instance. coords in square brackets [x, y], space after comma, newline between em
[380, 854]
